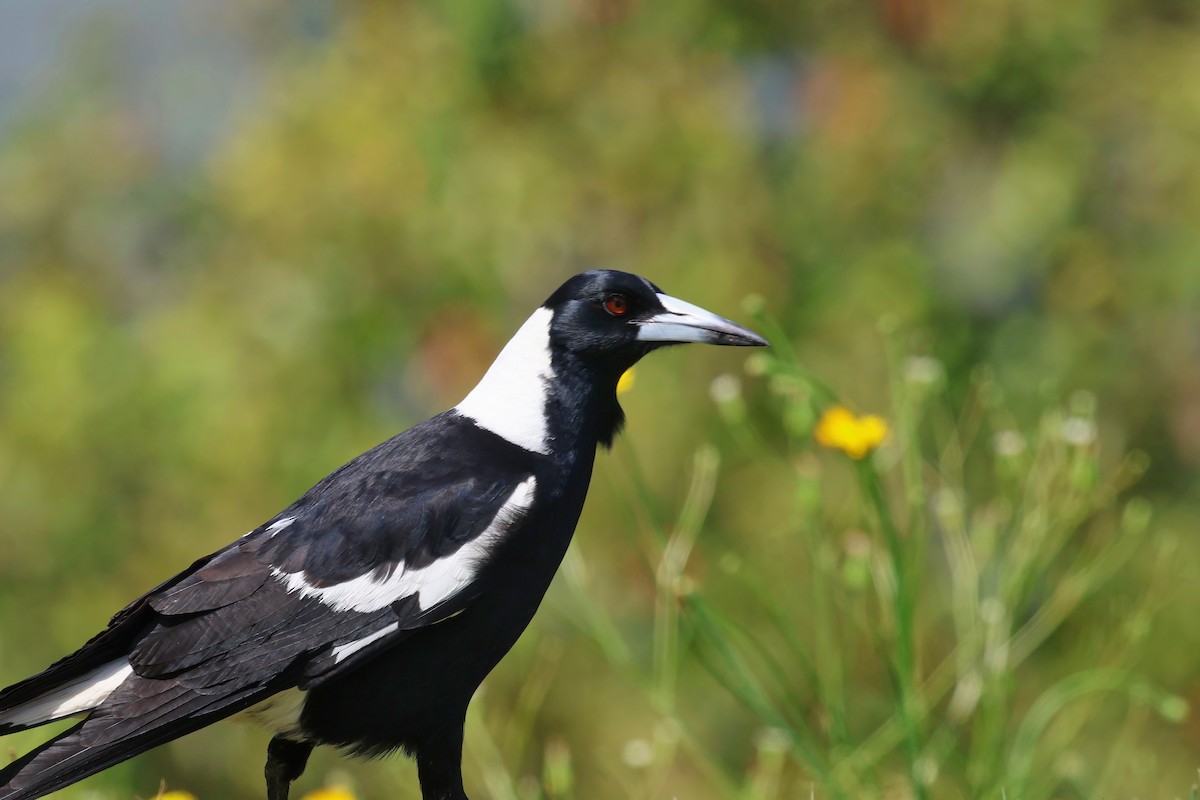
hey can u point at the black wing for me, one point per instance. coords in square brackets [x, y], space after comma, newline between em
[255, 617]
[335, 576]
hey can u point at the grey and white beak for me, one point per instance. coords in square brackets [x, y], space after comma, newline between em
[683, 322]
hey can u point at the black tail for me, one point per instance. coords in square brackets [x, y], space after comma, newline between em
[111, 736]
[91, 746]
[61, 762]
[44, 770]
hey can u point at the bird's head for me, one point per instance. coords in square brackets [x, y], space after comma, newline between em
[556, 379]
[611, 319]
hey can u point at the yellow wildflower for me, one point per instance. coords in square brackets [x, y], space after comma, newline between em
[330, 793]
[176, 795]
[841, 429]
[626, 381]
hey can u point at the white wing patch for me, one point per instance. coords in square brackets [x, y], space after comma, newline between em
[80, 695]
[273, 528]
[276, 527]
[510, 399]
[432, 583]
[342, 652]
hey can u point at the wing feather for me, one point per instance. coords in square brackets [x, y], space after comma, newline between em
[229, 628]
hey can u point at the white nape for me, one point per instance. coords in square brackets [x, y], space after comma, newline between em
[344, 651]
[432, 583]
[77, 697]
[510, 399]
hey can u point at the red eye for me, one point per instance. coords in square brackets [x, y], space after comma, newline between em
[617, 305]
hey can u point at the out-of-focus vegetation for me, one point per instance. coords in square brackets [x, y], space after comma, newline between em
[980, 221]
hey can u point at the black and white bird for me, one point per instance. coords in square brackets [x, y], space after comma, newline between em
[365, 615]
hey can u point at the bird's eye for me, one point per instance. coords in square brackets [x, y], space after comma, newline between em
[617, 305]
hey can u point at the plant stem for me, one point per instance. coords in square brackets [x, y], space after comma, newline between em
[904, 663]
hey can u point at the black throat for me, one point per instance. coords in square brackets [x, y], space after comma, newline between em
[582, 409]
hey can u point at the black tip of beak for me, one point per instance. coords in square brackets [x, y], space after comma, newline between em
[744, 337]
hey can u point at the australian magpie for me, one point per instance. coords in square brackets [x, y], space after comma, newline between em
[365, 615]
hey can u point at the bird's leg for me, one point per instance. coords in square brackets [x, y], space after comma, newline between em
[439, 766]
[285, 763]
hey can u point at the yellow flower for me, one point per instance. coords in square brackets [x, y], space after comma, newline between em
[176, 795]
[330, 793]
[626, 382]
[840, 429]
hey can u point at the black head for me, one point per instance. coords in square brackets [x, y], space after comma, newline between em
[610, 319]
[553, 387]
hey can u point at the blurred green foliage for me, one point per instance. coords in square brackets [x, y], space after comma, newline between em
[959, 216]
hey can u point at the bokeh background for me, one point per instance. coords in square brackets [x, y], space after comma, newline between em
[242, 241]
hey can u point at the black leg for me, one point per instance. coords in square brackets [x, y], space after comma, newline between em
[439, 766]
[285, 763]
